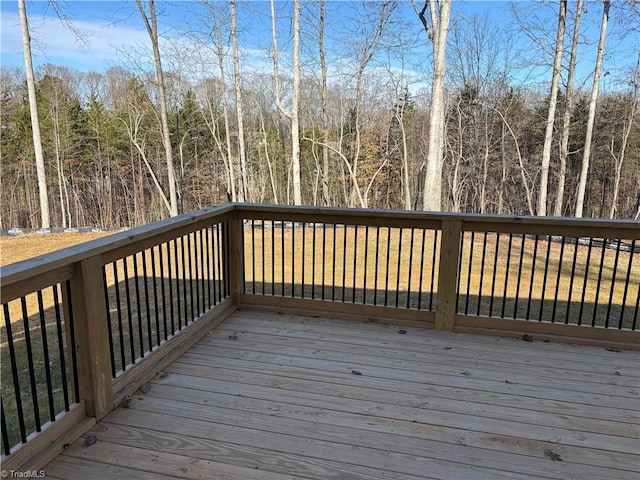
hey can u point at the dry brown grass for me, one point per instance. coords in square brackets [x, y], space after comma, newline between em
[22, 247]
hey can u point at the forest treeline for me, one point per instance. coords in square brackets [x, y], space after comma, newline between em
[363, 138]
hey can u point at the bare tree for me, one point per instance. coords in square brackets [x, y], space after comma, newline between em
[568, 107]
[437, 27]
[582, 183]
[35, 121]
[325, 110]
[151, 24]
[551, 113]
[630, 114]
[242, 156]
[293, 114]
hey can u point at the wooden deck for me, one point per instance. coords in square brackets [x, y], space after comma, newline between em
[280, 397]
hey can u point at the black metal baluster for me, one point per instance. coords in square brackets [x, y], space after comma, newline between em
[544, 278]
[304, 256]
[344, 264]
[123, 364]
[635, 313]
[557, 290]
[482, 268]
[164, 295]
[109, 324]
[613, 282]
[366, 261]
[520, 262]
[293, 258]
[355, 261]
[506, 276]
[156, 308]
[386, 279]
[586, 277]
[72, 332]
[209, 256]
[145, 278]
[45, 353]
[253, 257]
[227, 259]
[595, 303]
[214, 264]
[138, 303]
[333, 268]
[32, 373]
[421, 277]
[189, 260]
[433, 269]
[282, 229]
[533, 274]
[178, 302]
[495, 271]
[375, 274]
[398, 267]
[63, 360]
[223, 257]
[14, 373]
[273, 257]
[573, 276]
[471, 245]
[202, 272]
[324, 254]
[264, 265]
[626, 286]
[6, 448]
[459, 286]
[185, 297]
[313, 262]
[129, 312]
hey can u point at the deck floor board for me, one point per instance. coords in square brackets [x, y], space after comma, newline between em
[269, 396]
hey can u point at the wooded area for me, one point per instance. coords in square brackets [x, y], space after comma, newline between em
[128, 146]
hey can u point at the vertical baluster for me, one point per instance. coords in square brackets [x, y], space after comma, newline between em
[626, 285]
[62, 359]
[613, 283]
[45, 354]
[14, 373]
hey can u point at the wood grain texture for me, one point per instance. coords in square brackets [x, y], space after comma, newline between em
[279, 396]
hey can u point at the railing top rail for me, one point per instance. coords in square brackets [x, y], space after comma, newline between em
[629, 229]
[58, 260]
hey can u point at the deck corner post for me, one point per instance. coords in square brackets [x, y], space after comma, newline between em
[448, 274]
[236, 260]
[91, 337]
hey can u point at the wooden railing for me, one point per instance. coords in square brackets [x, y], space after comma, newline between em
[86, 326]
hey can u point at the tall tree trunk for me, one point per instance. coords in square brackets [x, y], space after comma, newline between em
[293, 114]
[152, 29]
[242, 157]
[568, 108]
[35, 121]
[437, 28]
[551, 115]
[325, 109]
[582, 183]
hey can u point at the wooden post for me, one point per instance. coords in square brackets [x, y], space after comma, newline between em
[235, 252]
[448, 274]
[92, 337]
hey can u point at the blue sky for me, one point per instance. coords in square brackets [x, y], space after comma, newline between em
[110, 28]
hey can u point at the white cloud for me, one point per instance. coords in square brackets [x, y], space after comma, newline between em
[54, 43]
